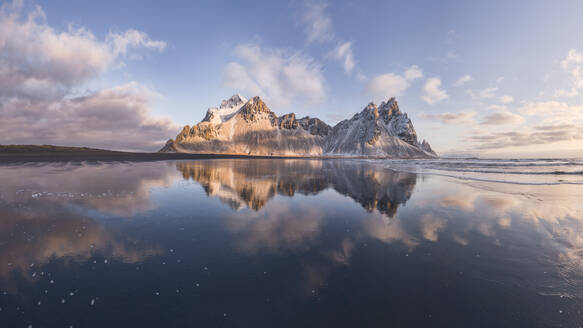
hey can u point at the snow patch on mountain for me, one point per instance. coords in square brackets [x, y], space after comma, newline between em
[241, 126]
[227, 109]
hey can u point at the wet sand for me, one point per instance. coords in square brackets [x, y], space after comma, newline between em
[46, 153]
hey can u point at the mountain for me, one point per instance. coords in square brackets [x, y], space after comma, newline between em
[241, 126]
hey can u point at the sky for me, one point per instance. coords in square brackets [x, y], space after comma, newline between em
[493, 78]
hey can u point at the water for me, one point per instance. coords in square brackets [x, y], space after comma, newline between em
[288, 243]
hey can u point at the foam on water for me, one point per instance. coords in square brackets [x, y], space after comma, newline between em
[514, 171]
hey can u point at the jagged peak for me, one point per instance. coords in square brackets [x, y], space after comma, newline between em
[371, 111]
[358, 135]
[254, 107]
[371, 105]
[234, 101]
[390, 106]
[256, 103]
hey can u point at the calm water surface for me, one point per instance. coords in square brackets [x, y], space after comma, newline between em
[291, 243]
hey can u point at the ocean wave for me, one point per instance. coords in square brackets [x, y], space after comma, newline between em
[531, 171]
[514, 172]
[465, 177]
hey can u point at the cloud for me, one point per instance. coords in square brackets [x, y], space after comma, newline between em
[343, 53]
[433, 92]
[317, 25]
[451, 118]
[132, 38]
[37, 62]
[391, 84]
[276, 75]
[485, 93]
[573, 57]
[41, 71]
[413, 73]
[554, 111]
[318, 28]
[538, 135]
[115, 118]
[506, 99]
[502, 117]
[497, 107]
[387, 84]
[572, 65]
[463, 80]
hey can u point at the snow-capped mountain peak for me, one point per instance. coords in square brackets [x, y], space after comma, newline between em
[242, 126]
[226, 110]
[234, 101]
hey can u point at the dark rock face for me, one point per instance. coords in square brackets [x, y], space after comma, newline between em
[399, 122]
[287, 121]
[253, 109]
[169, 147]
[425, 146]
[315, 126]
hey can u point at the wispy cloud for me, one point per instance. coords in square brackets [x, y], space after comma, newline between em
[392, 84]
[319, 28]
[343, 53]
[502, 118]
[275, 74]
[463, 80]
[572, 65]
[554, 111]
[413, 73]
[432, 91]
[538, 135]
[485, 93]
[466, 117]
[317, 24]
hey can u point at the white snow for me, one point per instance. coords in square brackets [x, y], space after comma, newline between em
[227, 109]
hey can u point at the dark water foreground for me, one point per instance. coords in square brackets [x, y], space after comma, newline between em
[284, 243]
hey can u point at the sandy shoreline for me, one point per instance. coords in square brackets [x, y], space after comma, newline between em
[37, 153]
[111, 156]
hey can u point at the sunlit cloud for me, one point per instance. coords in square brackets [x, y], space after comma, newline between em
[433, 92]
[392, 84]
[276, 75]
[572, 65]
[343, 53]
[466, 117]
[463, 80]
[502, 117]
[40, 70]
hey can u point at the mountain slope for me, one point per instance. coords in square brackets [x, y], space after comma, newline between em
[241, 126]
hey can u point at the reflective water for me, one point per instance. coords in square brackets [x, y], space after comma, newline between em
[284, 243]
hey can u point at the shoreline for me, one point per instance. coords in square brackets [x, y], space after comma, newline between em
[78, 156]
[47, 153]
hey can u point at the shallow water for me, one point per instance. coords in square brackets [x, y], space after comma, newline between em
[279, 243]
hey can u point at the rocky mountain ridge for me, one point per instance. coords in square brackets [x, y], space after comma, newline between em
[241, 126]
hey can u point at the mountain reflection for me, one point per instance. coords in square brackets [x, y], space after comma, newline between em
[253, 183]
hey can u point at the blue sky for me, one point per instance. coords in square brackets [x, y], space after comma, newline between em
[475, 77]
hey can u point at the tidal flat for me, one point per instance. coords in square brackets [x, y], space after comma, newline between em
[291, 242]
